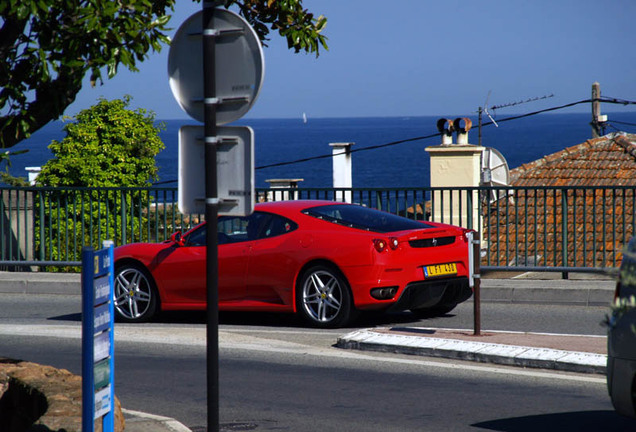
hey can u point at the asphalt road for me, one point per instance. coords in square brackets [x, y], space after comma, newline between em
[289, 386]
[65, 310]
[276, 375]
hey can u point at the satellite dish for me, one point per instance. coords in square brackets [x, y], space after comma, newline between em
[494, 172]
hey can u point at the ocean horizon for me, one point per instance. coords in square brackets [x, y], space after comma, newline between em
[387, 152]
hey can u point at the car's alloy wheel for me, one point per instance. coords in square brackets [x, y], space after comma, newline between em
[135, 294]
[324, 297]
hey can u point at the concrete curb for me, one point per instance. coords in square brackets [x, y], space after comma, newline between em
[40, 283]
[564, 292]
[137, 421]
[544, 358]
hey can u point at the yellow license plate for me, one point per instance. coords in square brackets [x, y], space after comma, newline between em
[440, 270]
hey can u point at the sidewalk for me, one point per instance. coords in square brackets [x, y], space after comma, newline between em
[572, 353]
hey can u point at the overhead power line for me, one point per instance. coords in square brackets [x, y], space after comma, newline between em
[624, 123]
[374, 147]
[617, 101]
[603, 99]
[307, 159]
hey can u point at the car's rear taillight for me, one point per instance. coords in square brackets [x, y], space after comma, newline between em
[381, 244]
[393, 243]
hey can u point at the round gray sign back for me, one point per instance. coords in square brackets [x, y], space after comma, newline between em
[239, 66]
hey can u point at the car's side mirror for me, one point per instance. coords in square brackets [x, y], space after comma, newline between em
[177, 238]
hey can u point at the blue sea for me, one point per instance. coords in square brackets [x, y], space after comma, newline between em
[394, 165]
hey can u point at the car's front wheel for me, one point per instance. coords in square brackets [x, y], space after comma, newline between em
[324, 299]
[136, 298]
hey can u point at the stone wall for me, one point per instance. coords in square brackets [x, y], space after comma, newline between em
[37, 398]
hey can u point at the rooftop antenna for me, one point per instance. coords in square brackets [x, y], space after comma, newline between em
[486, 110]
[506, 105]
[521, 101]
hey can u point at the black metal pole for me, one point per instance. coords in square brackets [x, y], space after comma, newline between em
[477, 281]
[479, 142]
[211, 215]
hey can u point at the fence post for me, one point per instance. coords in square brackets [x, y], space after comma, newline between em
[564, 229]
[469, 209]
[124, 237]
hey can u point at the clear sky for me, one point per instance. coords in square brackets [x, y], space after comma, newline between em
[424, 57]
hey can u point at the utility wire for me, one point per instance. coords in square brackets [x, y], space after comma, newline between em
[618, 101]
[603, 99]
[350, 151]
[539, 112]
[418, 138]
[622, 122]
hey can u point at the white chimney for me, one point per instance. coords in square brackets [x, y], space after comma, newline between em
[462, 125]
[445, 127]
[342, 171]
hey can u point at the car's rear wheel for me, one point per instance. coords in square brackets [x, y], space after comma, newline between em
[324, 299]
[136, 298]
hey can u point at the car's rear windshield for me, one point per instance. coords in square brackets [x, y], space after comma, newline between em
[356, 216]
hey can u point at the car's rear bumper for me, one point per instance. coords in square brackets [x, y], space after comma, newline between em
[432, 293]
[413, 290]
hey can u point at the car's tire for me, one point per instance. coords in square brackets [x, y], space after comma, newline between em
[323, 297]
[136, 295]
[434, 311]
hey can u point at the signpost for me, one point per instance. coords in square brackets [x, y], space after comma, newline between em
[238, 71]
[234, 170]
[216, 69]
[98, 390]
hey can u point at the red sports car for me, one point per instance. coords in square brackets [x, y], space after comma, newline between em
[321, 259]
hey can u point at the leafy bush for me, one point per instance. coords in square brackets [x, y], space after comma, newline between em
[106, 146]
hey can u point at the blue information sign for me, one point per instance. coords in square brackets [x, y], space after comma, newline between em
[98, 331]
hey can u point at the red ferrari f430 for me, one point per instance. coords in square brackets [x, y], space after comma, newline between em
[320, 259]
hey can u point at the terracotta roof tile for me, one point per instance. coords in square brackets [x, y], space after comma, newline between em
[598, 222]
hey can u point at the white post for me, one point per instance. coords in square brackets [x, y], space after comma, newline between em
[342, 171]
[32, 173]
[287, 194]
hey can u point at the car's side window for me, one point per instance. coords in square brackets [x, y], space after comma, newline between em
[196, 237]
[235, 229]
[278, 225]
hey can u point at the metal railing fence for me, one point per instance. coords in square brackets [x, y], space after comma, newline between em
[49, 226]
[568, 228]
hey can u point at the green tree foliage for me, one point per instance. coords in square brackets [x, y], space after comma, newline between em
[47, 47]
[106, 147]
[298, 26]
